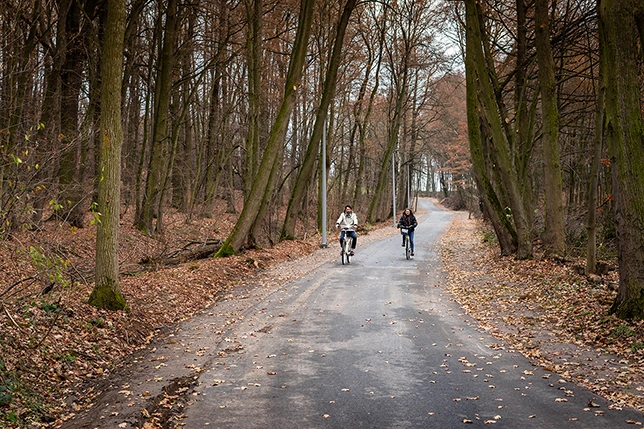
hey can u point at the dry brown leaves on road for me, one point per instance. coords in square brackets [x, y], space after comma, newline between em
[52, 340]
[544, 309]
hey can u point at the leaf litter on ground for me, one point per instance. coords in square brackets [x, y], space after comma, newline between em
[545, 309]
[51, 340]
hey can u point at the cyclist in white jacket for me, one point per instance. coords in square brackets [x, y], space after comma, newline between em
[348, 222]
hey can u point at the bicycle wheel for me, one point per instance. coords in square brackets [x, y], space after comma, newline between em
[346, 248]
[407, 247]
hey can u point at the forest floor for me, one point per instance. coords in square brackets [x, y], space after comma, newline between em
[51, 341]
[550, 312]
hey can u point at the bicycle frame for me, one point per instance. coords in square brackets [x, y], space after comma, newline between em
[405, 233]
[345, 254]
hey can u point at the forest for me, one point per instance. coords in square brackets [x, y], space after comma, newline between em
[527, 112]
[229, 101]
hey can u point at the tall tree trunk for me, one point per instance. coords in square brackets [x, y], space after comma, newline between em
[90, 128]
[356, 133]
[20, 76]
[501, 136]
[140, 184]
[133, 145]
[520, 93]
[161, 134]
[413, 141]
[363, 122]
[375, 207]
[593, 183]
[18, 59]
[214, 146]
[554, 239]
[306, 171]
[521, 147]
[71, 187]
[254, 62]
[106, 293]
[478, 138]
[621, 56]
[252, 206]
[50, 115]
[181, 179]
[492, 207]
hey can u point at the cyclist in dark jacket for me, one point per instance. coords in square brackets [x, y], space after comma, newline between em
[408, 220]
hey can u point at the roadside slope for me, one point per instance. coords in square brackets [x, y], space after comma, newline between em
[548, 312]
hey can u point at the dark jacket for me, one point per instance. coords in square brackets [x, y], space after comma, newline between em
[408, 221]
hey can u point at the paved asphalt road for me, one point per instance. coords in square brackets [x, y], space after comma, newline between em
[378, 343]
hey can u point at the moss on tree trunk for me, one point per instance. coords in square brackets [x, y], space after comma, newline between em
[106, 293]
[620, 52]
[108, 297]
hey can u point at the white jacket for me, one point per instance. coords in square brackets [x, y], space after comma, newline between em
[346, 221]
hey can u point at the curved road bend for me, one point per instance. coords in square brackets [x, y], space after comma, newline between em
[380, 344]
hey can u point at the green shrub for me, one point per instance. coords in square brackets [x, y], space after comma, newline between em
[7, 385]
[635, 347]
[489, 237]
[6, 395]
[623, 331]
[49, 307]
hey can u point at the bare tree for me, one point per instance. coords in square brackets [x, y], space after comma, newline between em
[497, 130]
[622, 35]
[554, 238]
[261, 189]
[152, 204]
[106, 293]
[306, 170]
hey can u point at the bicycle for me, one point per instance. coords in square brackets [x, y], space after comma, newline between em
[405, 234]
[345, 253]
